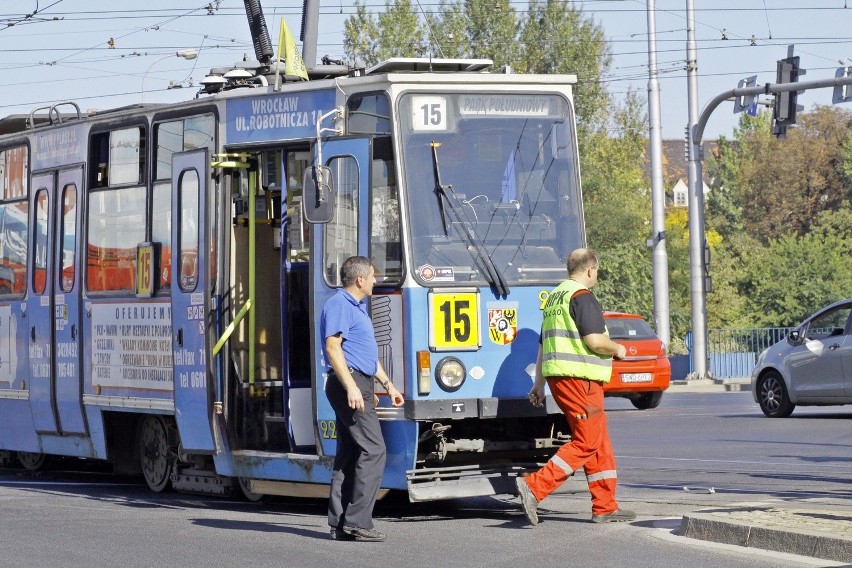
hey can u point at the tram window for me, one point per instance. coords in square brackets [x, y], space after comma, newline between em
[161, 232]
[14, 223]
[385, 244]
[169, 140]
[298, 235]
[40, 245]
[341, 234]
[180, 136]
[369, 114]
[14, 220]
[69, 236]
[188, 237]
[13, 173]
[116, 222]
[118, 158]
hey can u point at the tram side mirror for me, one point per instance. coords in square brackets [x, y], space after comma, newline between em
[318, 189]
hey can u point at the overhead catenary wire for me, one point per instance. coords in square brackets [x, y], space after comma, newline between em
[163, 21]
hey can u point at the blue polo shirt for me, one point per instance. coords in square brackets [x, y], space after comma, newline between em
[345, 315]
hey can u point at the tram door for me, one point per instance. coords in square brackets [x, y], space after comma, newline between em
[190, 258]
[346, 235]
[53, 305]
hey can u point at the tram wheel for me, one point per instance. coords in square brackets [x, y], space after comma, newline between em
[154, 453]
[247, 493]
[32, 461]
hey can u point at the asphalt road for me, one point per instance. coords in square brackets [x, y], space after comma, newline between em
[693, 441]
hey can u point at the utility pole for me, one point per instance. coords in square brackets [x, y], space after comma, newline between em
[658, 196]
[697, 265]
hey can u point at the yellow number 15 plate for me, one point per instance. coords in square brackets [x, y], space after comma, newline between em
[454, 320]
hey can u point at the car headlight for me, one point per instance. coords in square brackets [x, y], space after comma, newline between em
[450, 374]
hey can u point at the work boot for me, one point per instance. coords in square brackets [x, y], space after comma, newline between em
[617, 516]
[364, 535]
[338, 534]
[528, 500]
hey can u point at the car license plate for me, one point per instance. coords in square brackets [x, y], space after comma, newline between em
[636, 377]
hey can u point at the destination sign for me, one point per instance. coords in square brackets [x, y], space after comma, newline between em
[506, 105]
[58, 147]
[276, 116]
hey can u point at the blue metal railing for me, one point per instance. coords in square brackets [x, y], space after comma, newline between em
[732, 351]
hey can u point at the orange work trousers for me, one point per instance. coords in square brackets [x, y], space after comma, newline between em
[582, 402]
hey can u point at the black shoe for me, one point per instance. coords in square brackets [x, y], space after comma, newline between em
[617, 516]
[363, 535]
[338, 534]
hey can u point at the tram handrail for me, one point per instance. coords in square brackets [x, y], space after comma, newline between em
[241, 161]
[231, 327]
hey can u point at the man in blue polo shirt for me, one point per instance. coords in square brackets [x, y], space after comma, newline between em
[350, 349]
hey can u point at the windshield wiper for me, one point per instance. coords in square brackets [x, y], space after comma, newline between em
[446, 195]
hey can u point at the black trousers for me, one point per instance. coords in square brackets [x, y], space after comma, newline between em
[360, 460]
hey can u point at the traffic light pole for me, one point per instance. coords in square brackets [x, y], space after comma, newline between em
[696, 155]
[767, 89]
[697, 267]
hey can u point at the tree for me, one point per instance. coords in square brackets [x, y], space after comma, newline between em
[360, 33]
[617, 204]
[395, 33]
[556, 37]
[550, 37]
[400, 32]
[771, 187]
[794, 276]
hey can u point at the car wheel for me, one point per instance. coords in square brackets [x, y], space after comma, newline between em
[772, 396]
[647, 400]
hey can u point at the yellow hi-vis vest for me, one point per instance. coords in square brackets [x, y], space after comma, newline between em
[564, 354]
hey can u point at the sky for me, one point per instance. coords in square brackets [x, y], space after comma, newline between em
[59, 50]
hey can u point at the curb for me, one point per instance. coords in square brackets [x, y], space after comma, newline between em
[710, 385]
[803, 532]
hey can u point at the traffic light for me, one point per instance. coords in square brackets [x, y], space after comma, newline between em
[784, 111]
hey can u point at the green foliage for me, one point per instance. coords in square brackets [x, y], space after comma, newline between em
[794, 276]
[395, 33]
[360, 35]
[550, 37]
[782, 207]
[556, 37]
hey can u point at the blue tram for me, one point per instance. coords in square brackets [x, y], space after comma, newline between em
[163, 267]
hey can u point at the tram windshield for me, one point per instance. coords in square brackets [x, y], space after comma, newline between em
[510, 209]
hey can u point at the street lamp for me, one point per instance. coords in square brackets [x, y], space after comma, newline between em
[187, 54]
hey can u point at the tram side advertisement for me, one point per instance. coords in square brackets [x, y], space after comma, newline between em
[132, 346]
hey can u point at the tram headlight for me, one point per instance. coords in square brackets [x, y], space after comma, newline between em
[450, 374]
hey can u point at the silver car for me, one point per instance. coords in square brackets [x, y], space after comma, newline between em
[812, 366]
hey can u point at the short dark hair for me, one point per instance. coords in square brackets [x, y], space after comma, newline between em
[353, 267]
[581, 259]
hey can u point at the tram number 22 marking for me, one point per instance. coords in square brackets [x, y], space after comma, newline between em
[328, 429]
[455, 319]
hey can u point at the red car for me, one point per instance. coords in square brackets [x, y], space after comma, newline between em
[645, 372]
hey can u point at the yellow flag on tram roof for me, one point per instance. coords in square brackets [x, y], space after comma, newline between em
[293, 64]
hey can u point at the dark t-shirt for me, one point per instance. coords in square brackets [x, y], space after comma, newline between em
[586, 313]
